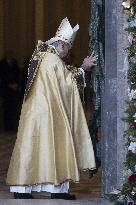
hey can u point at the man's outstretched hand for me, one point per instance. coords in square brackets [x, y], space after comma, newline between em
[89, 62]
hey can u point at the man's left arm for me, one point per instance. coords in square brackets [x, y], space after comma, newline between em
[79, 73]
[88, 64]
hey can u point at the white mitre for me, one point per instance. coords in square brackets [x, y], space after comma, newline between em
[65, 33]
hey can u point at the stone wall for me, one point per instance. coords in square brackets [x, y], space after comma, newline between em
[114, 97]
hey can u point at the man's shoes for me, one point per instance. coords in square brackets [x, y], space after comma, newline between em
[22, 196]
[65, 196]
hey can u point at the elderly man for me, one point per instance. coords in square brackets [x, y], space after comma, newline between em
[53, 143]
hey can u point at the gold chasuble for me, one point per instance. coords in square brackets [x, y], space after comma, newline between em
[53, 142]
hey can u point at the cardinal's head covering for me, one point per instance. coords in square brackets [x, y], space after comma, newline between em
[65, 33]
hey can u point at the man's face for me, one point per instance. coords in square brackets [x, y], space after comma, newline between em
[63, 49]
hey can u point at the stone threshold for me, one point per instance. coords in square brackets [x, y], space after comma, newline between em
[98, 201]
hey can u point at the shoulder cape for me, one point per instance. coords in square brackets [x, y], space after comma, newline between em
[35, 64]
